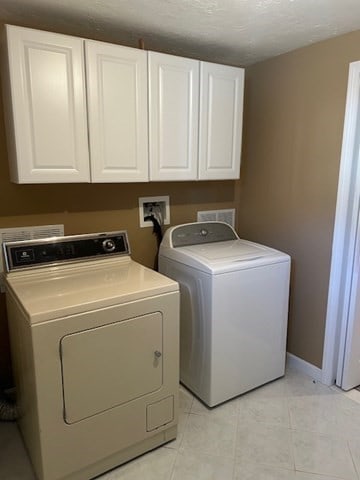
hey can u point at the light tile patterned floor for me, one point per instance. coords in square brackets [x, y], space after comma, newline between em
[291, 429]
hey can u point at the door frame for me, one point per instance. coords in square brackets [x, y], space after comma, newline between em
[344, 237]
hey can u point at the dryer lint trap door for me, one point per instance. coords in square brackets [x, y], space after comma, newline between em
[110, 365]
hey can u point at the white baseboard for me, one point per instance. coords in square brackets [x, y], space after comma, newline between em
[305, 367]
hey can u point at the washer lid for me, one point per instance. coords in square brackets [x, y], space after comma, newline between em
[221, 257]
[54, 292]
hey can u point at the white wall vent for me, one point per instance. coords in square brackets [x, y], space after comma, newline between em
[226, 215]
[25, 233]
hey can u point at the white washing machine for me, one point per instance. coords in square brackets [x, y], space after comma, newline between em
[233, 309]
[94, 339]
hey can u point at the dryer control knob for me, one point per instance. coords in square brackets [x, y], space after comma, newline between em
[108, 245]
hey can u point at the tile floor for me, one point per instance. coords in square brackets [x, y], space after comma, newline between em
[291, 429]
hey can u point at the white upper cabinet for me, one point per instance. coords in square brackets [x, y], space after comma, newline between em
[79, 111]
[195, 121]
[173, 117]
[221, 110]
[45, 101]
[118, 113]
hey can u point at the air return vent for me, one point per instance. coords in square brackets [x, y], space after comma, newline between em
[227, 216]
[25, 233]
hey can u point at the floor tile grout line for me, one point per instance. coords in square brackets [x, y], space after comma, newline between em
[292, 446]
[238, 420]
[172, 473]
[321, 476]
[352, 459]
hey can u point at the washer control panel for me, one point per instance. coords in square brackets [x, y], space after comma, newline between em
[55, 250]
[200, 233]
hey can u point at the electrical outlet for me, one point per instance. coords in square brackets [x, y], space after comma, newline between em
[159, 207]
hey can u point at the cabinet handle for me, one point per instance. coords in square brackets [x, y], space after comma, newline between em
[157, 354]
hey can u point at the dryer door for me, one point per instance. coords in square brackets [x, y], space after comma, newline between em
[109, 365]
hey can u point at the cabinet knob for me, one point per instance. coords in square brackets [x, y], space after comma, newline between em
[157, 354]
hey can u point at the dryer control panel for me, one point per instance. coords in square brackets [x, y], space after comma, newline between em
[57, 250]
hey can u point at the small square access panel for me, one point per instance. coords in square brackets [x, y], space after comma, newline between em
[160, 413]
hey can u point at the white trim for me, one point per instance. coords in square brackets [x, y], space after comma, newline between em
[343, 239]
[303, 366]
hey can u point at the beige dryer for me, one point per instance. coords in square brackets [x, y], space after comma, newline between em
[95, 348]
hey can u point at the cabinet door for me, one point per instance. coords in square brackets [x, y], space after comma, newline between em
[173, 117]
[45, 101]
[117, 107]
[221, 109]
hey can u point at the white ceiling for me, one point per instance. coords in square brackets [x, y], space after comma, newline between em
[238, 32]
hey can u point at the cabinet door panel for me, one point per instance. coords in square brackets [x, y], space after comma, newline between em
[117, 104]
[173, 104]
[221, 108]
[46, 108]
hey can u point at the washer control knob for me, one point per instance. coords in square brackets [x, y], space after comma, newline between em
[108, 245]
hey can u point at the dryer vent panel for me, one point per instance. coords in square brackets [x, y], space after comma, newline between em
[226, 215]
[25, 233]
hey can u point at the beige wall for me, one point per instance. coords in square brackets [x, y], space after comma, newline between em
[293, 131]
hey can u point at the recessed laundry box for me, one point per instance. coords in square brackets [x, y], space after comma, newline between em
[94, 339]
[234, 309]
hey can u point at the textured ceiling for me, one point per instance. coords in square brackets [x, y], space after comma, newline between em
[238, 32]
